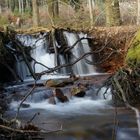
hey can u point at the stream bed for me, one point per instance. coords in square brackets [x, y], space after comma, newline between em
[89, 118]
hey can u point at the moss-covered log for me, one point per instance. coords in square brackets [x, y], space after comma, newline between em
[133, 55]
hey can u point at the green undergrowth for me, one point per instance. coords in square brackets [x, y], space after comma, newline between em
[133, 54]
[3, 20]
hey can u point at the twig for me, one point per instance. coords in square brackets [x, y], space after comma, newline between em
[71, 47]
[33, 117]
[128, 105]
[27, 131]
[27, 95]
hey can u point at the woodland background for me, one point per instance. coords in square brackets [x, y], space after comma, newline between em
[81, 14]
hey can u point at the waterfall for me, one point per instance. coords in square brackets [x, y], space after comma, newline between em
[80, 48]
[44, 54]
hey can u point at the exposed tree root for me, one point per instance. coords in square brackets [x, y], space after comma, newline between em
[125, 88]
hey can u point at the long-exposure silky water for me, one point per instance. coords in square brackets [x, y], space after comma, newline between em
[39, 50]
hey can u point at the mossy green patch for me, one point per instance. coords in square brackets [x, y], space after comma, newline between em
[133, 54]
[3, 20]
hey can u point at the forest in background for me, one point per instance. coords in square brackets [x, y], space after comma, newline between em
[77, 14]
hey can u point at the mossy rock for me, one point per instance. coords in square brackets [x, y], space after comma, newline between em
[133, 54]
[58, 83]
[78, 91]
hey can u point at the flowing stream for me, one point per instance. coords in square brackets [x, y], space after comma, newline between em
[89, 118]
[40, 51]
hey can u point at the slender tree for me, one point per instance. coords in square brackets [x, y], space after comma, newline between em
[19, 6]
[0, 8]
[27, 4]
[22, 6]
[138, 12]
[112, 13]
[75, 4]
[2, 5]
[90, 12]
[35, 12]
[55, 8]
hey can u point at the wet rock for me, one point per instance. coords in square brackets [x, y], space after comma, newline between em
[79, 91]
[52, 100]
[3, 100]
[1, 88]
[37, 85]
[58, 83]
[51, 83]
[80, 94]
[2, 96]
[3, 105]
[16, 96]
[60, 96]
[24, 105]
[74, 77]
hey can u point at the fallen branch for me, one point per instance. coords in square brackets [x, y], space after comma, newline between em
[27, 131]
[127, 104]
[33, 117]
[27, 95]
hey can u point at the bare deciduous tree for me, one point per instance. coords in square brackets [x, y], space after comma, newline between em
[35, 12]
[112, 13]
[138, 12]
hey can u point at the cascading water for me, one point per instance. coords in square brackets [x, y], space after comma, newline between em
[80, 48]
[89, 117]
[39, 45]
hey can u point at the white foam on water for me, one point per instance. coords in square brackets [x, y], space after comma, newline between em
[107, 96]
[76, 105]
[79, 49]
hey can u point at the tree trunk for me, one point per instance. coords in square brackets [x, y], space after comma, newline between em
[93, 4]
[27, 4]
[0, 9]
[8, 3]
[35, 13]
[138, 12]
[112, 13]
[12, 5]
[22, 6]
[90, 12]
[19, 6]
[55, 8]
